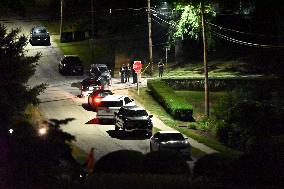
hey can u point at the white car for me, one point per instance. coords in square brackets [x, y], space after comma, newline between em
[170, 140]
[112, 103]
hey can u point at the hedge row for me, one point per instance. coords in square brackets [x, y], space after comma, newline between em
[176, 106]
[220, 84]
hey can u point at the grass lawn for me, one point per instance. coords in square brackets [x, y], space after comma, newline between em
[155, 108]
[102, 51]
[196, 99]
[216, 69]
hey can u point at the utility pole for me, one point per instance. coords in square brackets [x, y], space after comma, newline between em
[150, 38]
[61, 18]
[206, 88]
[93, 29]
[166, 59]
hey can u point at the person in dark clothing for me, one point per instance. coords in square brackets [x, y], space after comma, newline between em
[122, 73]
[134, 75]
[128, 72]
[161, 68]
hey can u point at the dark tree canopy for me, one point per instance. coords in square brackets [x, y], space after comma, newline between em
[15, 70]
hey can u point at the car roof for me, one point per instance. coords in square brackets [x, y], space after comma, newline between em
[39, 27]
[98, 65]
[135, 107]
[102, 91]
[114, 97]
[169, 132]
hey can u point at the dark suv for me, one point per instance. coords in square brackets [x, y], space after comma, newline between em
[71, 64]
[39, 35]
[101, 72]
[133, 118]
[89, 85]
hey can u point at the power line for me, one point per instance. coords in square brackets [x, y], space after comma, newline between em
[230, 39]
[163, 20]
[241, 32]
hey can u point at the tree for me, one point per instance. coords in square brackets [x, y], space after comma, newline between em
[15, 70]
[188, 19]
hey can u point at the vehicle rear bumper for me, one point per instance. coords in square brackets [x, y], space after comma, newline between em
[105, 116]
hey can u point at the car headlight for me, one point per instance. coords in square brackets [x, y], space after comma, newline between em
[64, 64]
[163, 143]
[186, 142]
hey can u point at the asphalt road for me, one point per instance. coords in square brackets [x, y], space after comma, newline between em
[60, 101]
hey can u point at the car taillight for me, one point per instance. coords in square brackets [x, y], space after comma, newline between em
[97, 100]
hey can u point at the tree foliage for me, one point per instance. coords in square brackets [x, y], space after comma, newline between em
[187, 21]
[248, 116]
[15, 70]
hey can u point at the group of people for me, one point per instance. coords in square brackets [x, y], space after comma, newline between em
[125, 73]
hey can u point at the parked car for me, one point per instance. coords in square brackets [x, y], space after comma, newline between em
[101, 71]
[71, 65]
[111, 104]
[131, 118]
[96, 96]
[39, 35]
[170, 140]
[89, 85]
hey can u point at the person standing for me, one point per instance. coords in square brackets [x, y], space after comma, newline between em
[134, 76]
[128, 72]
[161, 68]
[122, 73]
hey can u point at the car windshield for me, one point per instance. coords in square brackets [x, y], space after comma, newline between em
[72, 60]
[103, 69]
[40, 30]
[88, 82]
[111, 103]
[136, 113]
[105, 93]
[171, 137]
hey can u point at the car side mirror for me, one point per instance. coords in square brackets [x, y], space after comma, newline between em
[150, 116]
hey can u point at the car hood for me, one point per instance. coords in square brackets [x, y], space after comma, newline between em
[173, 144]
[41, 35]
[105, 74]
[142, 118]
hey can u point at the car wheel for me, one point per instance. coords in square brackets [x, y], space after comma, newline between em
[151, 148]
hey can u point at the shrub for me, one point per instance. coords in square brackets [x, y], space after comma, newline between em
[213, 167]
[176, 106]
[166, 162]
[221, 84]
